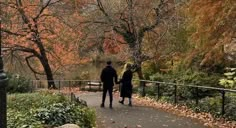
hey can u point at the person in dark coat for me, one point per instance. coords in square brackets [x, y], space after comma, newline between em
[108, 77]
[126, 86]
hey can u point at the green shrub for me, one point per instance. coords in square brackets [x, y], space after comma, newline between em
[211, 105]
[149, 68]
[62, 113]
[166, 99]
[151, 91]
[41, 109]
[17, 119]
[158, 77]
[209, 100]
[22, 102]
[187, 77]
[89, 118]
[229, 81]
[18, 84]
[196, 77]
[230, 108]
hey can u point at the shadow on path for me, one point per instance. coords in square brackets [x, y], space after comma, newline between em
[123, 116]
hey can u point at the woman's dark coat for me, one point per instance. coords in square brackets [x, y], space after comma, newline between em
[126, 84]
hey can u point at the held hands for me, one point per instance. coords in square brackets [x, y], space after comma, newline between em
[118, 82]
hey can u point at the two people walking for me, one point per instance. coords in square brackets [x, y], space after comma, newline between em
[109, 77]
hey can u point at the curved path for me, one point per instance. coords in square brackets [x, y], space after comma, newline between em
[123, 116]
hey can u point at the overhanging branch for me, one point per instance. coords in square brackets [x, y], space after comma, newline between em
[25, 49]
[158, 11]
[12, 33]
[49, 2]
[31, 68]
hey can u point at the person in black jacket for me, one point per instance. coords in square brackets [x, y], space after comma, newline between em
[108, 76]
[126, 86]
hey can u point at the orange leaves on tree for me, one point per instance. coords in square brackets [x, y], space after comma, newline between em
[111, 47]
[113, 43]
[213, 21]
[57, 38]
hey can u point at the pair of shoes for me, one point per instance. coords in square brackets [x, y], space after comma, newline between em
[102, 105]
[121, 101]
[130, 104]
[110, 106]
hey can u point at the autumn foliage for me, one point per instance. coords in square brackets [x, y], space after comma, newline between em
[213, 22]
[35, 30]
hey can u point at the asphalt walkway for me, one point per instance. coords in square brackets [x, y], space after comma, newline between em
[124, 116]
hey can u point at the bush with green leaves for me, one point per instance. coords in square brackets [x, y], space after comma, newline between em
[24, 101]
[187, 77]
[63, 113]
[18, 84]
[159, 77]
[38, 110]
[150, 68]
[19, 119]
[229, 81]
[211, 105]
[209, 100]
[230, 107]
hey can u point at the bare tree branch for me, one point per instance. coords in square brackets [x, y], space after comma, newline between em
[12, 33]
[31, 68]
[99, 3]
[49, 2]
[21, 11]
[25, 49]
[158, 19]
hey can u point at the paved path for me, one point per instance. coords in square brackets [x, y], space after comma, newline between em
[123, 116]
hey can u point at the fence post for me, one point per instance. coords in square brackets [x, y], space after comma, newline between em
[3, 100]
[175, 94]
[223, 103]
[32, 85]
[100, 86]
[3, 85]
[40, 84]
[158, 91]
[71, 97]
[197, 96]
[80, 84]
[69, 86]
[142, 83]
[59, 85]
[89, 82]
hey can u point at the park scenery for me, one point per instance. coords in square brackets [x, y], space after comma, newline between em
[181, 56]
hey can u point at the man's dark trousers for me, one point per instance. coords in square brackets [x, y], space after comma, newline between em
[105, 89]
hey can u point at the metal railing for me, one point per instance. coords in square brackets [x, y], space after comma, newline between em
[70, 84]
[222, 91]
[97, 85]
[68, 88]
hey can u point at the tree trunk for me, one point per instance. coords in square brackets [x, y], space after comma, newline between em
[137, 56]
[44, 62]
[48, 71]
[43, 58]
